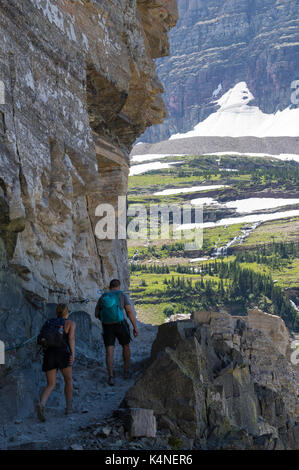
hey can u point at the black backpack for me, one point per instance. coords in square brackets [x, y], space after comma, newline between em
[52, 334]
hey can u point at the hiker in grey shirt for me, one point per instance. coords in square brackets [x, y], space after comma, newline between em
[115, 325]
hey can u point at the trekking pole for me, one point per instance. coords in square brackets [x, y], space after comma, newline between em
[21, 345]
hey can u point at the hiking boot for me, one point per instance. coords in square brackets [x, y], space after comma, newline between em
[111, 380]
[127, 375]
[69, 410]
[40, 410]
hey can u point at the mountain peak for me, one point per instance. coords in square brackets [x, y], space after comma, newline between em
[219, 45]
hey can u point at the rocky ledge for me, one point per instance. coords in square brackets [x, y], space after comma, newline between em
[222, 382]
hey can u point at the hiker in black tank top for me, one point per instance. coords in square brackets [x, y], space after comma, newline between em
[59, 358]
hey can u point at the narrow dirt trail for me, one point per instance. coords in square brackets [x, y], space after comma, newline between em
[93, 399]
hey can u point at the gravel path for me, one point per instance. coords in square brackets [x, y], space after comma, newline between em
[94, 400]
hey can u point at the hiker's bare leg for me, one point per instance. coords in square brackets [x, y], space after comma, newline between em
[68, 387]
[51, 380]
[109, 360]
[126, 356]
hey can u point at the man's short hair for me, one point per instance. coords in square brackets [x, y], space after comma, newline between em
[114, 283]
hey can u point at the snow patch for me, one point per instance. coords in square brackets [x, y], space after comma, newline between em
[203, 201]
[294, 305]
[217, 90]
[236, 118]
[243, 219]
[168, 192]
[257, 203]
[152, 156]
[139, 169]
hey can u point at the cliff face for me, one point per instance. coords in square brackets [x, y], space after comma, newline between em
[80, 86]
[218, 44]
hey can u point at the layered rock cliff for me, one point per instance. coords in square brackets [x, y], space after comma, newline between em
[222, 382]
[80, 87]
[217, 44]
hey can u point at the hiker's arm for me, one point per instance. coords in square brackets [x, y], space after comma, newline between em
[132, 318]
[72, 341]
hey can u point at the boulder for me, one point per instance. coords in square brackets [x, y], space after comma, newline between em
[143, 423]
[170, 334]
[215, 383]
[272, 325]
[167, 387]
[205, 316]
[76, 447]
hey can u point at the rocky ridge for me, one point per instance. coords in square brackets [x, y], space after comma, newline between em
[276, 146]
[222, 384]
[217, 44]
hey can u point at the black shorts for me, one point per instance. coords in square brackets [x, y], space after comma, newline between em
[116, 330]
[56, 358]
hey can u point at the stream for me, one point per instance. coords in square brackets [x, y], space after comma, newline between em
[246, 231]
